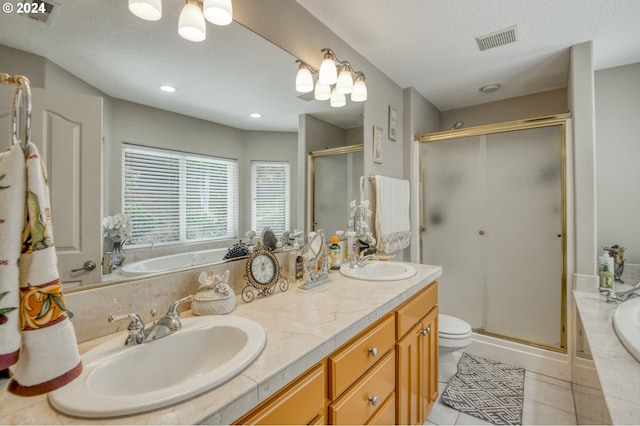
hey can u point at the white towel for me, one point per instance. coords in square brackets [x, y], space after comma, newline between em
[48, 357]
[12, 193]
[393, 228]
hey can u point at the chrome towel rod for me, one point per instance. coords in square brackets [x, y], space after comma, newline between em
[21, 96]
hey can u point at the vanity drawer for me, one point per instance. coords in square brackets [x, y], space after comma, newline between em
[356, 406]
[413, 311]
[386, 414]
[356, 357]
[302, 402]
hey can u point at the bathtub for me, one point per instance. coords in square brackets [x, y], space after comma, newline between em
[172, 262]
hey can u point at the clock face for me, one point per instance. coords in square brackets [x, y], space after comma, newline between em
[262, 268]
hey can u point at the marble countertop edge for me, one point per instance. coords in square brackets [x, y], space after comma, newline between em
[618, 371]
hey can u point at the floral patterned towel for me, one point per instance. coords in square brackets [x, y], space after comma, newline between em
[49, 355]
[12, 190]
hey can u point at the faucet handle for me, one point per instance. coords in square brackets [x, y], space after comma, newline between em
[611, 295]
[135, 319]
[173, 309]
[135, 328]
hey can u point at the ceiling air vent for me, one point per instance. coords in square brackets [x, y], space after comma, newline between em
[42, 11]
[310, 96]
[498, 38]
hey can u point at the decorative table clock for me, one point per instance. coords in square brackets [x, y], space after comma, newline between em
[262, 273]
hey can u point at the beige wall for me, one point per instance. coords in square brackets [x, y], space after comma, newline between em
[617, 114]
[535, 105]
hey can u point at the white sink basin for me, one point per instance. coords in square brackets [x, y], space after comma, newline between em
[379, 271]
[626, 321]
[119, 380]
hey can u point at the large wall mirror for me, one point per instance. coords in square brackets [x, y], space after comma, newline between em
[99, 50]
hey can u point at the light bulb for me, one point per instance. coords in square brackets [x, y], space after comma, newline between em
[328, 72]
[191, 24]
[304, 80]
[359, 93]
[322, 92]
[337, 99]
[149, 10]
[219, 12]
[345, 81]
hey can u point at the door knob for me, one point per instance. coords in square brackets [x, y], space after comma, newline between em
[88, 266]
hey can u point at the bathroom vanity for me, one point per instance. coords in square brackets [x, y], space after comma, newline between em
[320, 350]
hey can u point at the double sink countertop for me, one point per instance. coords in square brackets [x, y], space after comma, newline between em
[618, 371]
[302, 326]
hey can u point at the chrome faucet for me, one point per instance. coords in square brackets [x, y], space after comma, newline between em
[168, 324]
[620, 296]
[359, 262]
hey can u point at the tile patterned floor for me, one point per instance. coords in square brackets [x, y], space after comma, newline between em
[546, 401]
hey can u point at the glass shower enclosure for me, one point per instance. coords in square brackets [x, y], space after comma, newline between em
[493, 205]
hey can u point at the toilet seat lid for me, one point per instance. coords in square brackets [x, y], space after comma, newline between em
[452, 326]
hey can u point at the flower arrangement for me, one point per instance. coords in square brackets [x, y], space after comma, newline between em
[118, 227]
[358, 223]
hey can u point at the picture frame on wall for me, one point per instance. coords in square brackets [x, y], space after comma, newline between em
[393, 119]
[377, 144]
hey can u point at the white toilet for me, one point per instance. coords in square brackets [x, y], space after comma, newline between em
[454, 334]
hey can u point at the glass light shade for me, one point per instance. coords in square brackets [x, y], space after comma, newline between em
[149, 10]
[322, 92]
[304, 80]
[328, 73]
[345, 82]
[359, 93]
[219, 12]
[191, 24]
[337, 99]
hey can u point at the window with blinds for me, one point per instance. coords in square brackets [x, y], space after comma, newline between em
[270, 195]
[176, 197]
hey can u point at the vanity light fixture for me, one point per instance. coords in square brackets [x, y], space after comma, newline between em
[335, 80]
[191, 23]
[149, 10]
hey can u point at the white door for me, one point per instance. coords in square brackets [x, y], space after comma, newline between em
[67, 129]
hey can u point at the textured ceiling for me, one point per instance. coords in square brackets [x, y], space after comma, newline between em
[426, 44]
[430, 44]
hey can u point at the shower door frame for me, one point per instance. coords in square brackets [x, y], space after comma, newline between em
[561, 120]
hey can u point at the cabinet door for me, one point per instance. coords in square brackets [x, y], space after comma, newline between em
[417, 372]
[430, 360]
[409, 375]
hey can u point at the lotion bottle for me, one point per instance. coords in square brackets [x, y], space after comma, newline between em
[336, 253]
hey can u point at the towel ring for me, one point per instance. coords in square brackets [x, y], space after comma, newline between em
[21, 97]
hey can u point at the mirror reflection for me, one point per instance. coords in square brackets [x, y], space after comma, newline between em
[110, 78]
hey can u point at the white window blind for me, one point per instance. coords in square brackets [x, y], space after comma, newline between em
[270, 195]
[178, 197]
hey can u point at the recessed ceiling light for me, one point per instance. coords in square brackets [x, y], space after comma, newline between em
[490, 88]
[168, 89]
[255, 115]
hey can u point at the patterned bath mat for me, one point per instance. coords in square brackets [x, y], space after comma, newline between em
[488, 390]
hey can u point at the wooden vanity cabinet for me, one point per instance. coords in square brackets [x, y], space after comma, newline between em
[417, 357]
[386, 374]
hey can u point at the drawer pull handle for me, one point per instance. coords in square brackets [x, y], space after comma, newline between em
[373, 400]
[425, 331]
[373, 352]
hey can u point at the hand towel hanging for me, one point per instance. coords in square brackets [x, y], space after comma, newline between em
[12, 201]
[48, 356]
[393, 228]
